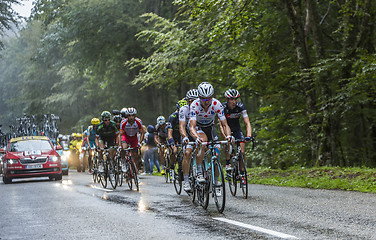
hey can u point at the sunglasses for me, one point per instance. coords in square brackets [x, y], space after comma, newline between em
[205, 99]
[106, 120]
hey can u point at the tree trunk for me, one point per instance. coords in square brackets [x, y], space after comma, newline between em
[300, 43]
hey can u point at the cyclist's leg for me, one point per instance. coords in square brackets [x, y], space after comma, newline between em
[186, 165]
[173, 152]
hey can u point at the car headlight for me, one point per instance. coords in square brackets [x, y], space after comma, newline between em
[12, 161]
[54, 159]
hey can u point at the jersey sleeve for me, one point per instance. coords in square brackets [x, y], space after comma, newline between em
[242, 109]
[219, 110]
[183, 113]
[139, 124]
[194, 110]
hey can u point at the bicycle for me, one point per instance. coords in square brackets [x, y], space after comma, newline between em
[131, 170]
[236, 174]
[214, 185]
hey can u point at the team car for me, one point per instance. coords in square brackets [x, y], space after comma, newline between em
[31, 156]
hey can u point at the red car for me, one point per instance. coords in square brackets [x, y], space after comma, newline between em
[31, 156]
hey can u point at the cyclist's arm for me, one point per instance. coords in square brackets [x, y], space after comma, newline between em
[97, 140]
[169, 133]
[192, 128]
[156, 139]
[248, 124]
[226, 128]
[222, 130]
[182, 131]
[142, 135]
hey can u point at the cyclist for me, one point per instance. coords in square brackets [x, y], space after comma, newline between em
[117, 119]
[160, 138]
[129, 127]
[90, 139]
[184, 113]
[203, 112]
[233, 111]
[173, 134]
[107, 135]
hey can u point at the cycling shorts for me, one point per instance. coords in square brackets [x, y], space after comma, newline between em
[92, 144]
[132, 141]
[238, 135]
[108, 141]
[209, 131]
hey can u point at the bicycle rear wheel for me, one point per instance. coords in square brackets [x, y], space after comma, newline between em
[112, 173]
[219, 191]
[244, 187]
[178, 181]
[231, 178]
[102, 176]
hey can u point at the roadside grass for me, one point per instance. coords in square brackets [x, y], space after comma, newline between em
[350, 179]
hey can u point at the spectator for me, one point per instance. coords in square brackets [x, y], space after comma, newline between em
[150, 153]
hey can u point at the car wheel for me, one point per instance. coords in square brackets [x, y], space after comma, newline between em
[59, 177]
[65, 172]
[7, 180]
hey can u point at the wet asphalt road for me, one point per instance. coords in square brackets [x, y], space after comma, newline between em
[76, 208]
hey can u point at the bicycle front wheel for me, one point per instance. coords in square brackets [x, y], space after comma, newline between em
[112, 174]
[231, 178]
[178, 182]
[167, 169]
[102, 175]
[244, 186]
[95, 169]
[219, 190]
[192, 193]
[134, 176]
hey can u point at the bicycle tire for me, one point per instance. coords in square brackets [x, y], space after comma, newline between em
[95, 170]
[178, 182]
[204, 188]
[219, 199]
[103, 176]
[134, 176]
[192, 194]
[112, 173]
[232, 183]
[167, 168]
[244, 187]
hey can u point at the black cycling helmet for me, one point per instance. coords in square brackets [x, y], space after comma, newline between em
[117, 118]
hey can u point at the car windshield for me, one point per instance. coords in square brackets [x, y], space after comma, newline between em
[30, 145]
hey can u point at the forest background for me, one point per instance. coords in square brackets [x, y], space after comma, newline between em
[306, 69]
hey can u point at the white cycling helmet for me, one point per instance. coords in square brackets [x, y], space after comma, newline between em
[232, 93]
[205, 90]
[161, 120]
[132, 111]
[192, 94]
[124, 112]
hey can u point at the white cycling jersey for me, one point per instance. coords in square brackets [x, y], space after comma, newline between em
[184, 114]
[203, 118]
